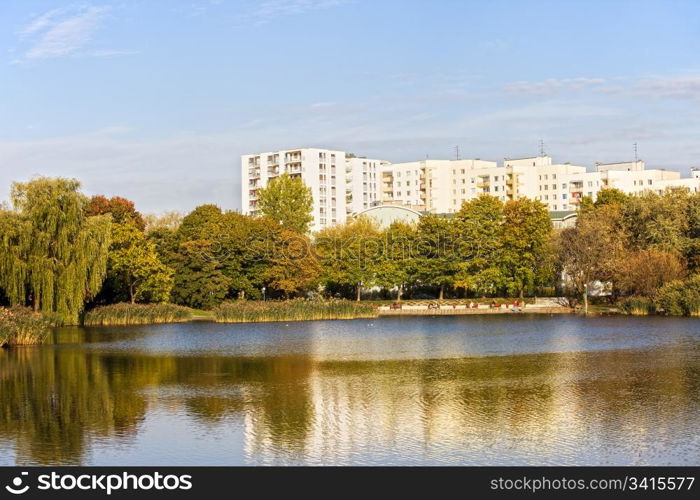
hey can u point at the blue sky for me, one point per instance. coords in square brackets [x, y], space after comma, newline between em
[155, 100]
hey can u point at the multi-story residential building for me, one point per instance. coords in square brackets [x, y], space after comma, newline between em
[343, 185]
[340, 184]
[448, 183]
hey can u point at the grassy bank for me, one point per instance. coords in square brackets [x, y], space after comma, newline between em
[22, 326]
[292, 310]
[136, 314]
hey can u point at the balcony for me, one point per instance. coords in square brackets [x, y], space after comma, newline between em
[575, 188]
[483, 184]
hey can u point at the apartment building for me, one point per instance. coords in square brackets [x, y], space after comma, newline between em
[343, 185]
[448, 183]
[340, 183]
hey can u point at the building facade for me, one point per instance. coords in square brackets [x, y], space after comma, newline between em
[340, 184]
[343, 185]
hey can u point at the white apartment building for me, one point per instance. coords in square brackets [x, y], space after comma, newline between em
[341, 184]
[445, 184]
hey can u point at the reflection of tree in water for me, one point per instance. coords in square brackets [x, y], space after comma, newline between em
[54, 401]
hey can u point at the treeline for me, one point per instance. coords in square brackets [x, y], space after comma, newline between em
[637, 249]
[62, 252]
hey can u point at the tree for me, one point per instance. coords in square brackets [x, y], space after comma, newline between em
[287, 201]
[593, 249]
[134, 265]
[644, 273]
[199, 281]
[52, 255]
[608, 196]
[294, 267]
[479, 226]
[659, 221]
[396, 267]
[437, 257]
[121, 209]
[350, 253]
[525, 256]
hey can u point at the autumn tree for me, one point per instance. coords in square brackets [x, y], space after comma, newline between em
[287, 201]
[294, 267]
[593, 249]
[643, 273]
[121, 210]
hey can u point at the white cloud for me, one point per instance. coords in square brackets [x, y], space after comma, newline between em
[64, 32]
[553, 85]
[681, 87]
[271, 9]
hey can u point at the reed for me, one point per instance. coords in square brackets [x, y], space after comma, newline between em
[22, 326]
[291, 310]
[136, 314]
[638, 306]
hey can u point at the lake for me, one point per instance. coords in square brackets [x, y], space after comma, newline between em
[471, 390]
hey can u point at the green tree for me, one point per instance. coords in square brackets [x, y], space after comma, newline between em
[479, 234]
[350, 254]
[52, 255]
[287, 201]
[525, 256]
[611, 195]
[199, 280]
[135, 266]
[437, 253]
[396, 265]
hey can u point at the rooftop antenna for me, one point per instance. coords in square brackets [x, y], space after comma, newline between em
[457, 157]
[541, 147]
[635, 153]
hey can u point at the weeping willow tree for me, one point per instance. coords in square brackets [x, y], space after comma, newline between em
[52, 256]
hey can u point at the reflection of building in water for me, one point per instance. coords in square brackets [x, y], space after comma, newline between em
[549, 409]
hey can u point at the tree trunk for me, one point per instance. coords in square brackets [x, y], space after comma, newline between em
[522, 295]
[399, 293]
[442, 291]
[35, 303]
[359, 291]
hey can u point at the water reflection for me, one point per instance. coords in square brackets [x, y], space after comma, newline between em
[80, 403]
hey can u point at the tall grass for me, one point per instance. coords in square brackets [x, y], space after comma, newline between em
[638, 306]
[22, 326]
[292, 310]
[136, 314]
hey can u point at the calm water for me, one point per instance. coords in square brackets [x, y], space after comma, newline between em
[447, 390]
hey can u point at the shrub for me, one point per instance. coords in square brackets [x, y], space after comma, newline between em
[22, 326]
[292, 310]
[680, 298]
[136, 314]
